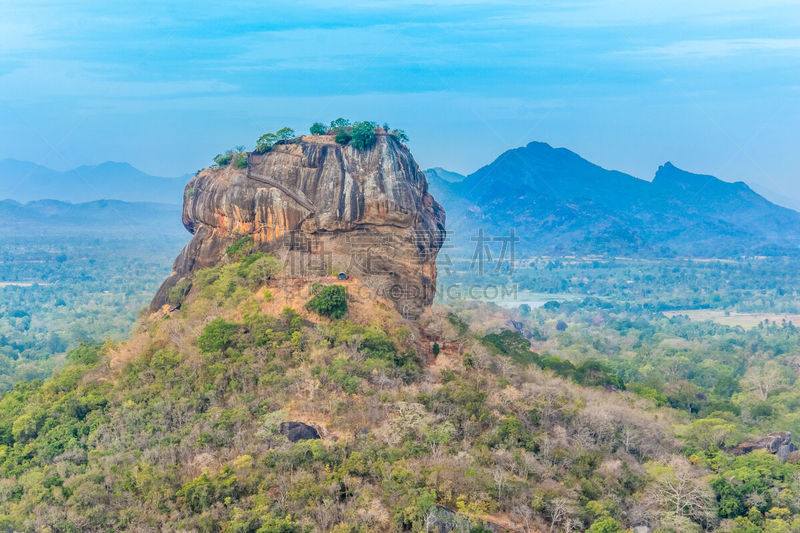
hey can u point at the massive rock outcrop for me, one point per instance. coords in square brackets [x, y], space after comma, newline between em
[322, 208]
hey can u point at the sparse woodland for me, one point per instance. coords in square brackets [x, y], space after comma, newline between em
[179, 427]
[577, 415]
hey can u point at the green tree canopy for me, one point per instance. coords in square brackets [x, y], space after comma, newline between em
[266, 142]
[222, 160]
[263, 269]
[363, 135]
[342, 137]
[218, 335]
[284, 134]
[330, 301]
[340, 123]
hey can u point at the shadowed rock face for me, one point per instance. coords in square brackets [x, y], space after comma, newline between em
[297, 431]
[321, 207]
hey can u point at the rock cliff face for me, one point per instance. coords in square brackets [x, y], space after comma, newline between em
[322, 208]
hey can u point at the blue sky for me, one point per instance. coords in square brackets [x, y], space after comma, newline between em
[713, 86]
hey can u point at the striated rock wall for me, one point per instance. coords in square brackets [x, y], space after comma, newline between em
[321, 208]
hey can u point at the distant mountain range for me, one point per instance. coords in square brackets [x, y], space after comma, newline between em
[558, 203]
[24, 181]
[100, 218]
[445, 175]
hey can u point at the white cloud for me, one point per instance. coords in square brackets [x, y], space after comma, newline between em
[622, 13]
[715, 48]
[82, 81]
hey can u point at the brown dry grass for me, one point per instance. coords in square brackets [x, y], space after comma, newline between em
[160, 328]
[744, 320]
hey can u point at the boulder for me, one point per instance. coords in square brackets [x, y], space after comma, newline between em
[779, 444]
[785, 450]
[297, 431]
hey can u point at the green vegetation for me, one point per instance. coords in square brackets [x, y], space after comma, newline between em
[589, 373]
[732, 383]
[157, 433]
[235, 281]
[340, 123]
[259, 268]
[239, 160]
[179, 291]
[585, 413]
[363, 135]
[284, 134]
[243, 246]
[222, 160]
[750, 285]
[399, 135]
[265, 143]
[318, 128]
[330, 301]
[341, 129]
[343, 137]
[236, 157]
[58, 292]
[360, 135]
[218, 335]
[693, 366]
[529, 426]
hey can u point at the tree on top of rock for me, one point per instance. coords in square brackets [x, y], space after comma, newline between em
[363, 135]
[266, 142]
[340, 123]
[284, 134]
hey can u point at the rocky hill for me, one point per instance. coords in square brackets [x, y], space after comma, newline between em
[270, 397]
[558, 203]
[247, 411]
[321, 208]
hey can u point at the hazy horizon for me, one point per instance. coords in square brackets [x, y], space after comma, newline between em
[776, 197]
[627, 85]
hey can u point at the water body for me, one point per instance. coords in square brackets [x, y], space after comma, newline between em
[513, 304]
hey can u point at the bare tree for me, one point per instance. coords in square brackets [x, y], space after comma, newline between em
[763, 380]
[326, 514]
[430, 518]
[499, 475]
[557, 509]
[524, 518]
[629, 435]
[680, 489]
